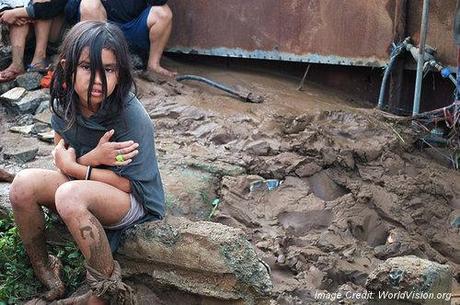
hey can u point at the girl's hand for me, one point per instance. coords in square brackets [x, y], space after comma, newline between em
[106, 152]
[64, 158]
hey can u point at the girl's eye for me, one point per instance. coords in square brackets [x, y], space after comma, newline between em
[85, 67]
[110, 70]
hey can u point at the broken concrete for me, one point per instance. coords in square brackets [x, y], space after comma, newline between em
[13, 95]
[203, 258]
[27, 129]
[30, 102]
[46, 136]
[409, 279]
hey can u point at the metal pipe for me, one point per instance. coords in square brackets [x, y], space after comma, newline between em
[246, 97]
[421, 56]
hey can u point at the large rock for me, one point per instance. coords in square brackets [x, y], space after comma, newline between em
[203, 258]
[29, 81]
[410, 280]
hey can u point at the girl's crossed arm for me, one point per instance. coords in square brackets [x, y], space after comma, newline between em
[66, 161]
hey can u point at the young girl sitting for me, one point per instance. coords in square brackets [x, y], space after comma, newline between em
[107, 174]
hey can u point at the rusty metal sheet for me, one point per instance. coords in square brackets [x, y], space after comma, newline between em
[347, 32]
[440, 31]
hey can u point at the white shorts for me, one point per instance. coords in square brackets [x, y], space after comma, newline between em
[136, 212]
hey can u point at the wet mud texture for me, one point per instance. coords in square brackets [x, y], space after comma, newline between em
[353, 193]
[355, 190]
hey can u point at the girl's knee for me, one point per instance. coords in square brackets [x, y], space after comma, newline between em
[22, 189]
[69, 201]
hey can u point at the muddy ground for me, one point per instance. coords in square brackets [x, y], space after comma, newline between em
[355, 190]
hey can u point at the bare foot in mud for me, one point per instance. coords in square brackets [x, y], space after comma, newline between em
[162, 72]
[158, 75]
[50, 276]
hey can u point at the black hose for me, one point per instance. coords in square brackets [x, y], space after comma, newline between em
[394, 56]
[250, 98]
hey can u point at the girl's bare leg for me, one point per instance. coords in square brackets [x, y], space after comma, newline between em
[30, 189]
[85, 206]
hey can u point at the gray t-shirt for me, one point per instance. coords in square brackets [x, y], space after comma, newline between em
[133, 123]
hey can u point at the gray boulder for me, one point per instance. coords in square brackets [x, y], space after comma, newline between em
[203, 258]
[410, 280]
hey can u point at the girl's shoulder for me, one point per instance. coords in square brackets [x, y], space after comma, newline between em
[134, 110]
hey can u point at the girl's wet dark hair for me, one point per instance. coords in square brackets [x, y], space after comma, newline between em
[95, 36]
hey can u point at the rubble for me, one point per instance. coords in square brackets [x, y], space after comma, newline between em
[20, 154]
[20, 101]
[43, 116]
[43, 107]
[46, 136]
[30, 102]
[22, 129]
[13, 95]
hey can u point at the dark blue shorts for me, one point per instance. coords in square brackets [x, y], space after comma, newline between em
[136, 30]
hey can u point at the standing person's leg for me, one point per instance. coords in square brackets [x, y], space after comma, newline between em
[92, 10]
[31, 189]
[18, 35]
[159, 23]
[42, 30]
[85, 206]
[56, 29]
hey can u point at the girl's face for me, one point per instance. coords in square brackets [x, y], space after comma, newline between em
[83, 76]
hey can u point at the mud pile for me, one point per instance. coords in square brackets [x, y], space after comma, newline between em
[354, 190]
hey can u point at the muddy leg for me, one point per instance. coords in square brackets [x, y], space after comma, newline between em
[29, 189]
[78, 203]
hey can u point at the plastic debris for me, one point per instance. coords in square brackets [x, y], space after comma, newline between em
[265, 185]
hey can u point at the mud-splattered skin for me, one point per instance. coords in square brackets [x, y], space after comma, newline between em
[46, 268]
[94, 237]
